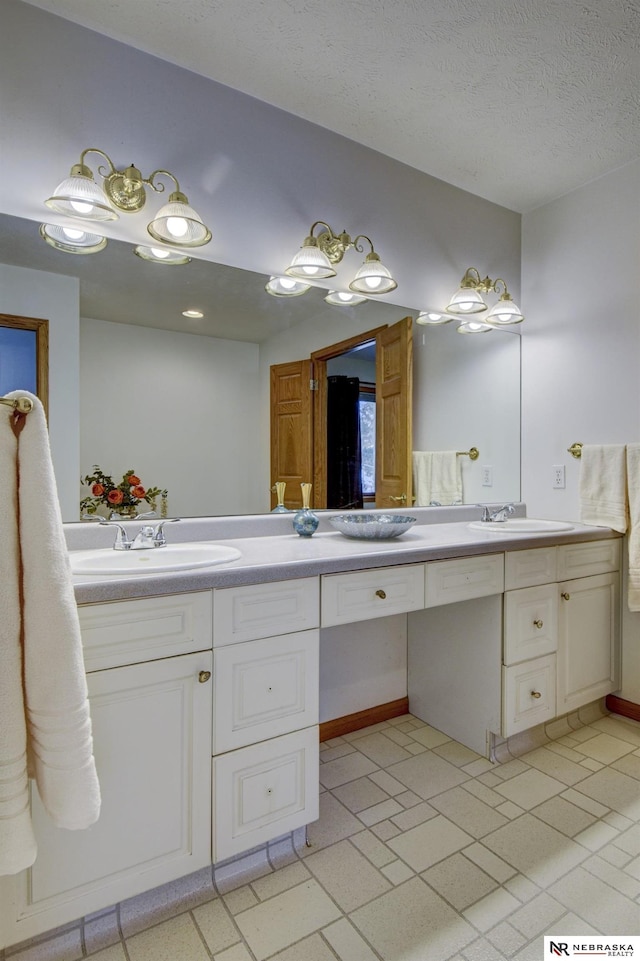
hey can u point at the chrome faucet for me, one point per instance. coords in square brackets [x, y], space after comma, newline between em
[495, 515]
[147, 537]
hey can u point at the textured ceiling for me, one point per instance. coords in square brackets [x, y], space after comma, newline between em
[518, 101]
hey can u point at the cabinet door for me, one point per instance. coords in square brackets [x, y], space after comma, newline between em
[588, 640]
[152, 742]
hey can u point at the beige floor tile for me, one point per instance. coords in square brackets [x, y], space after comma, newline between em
[457, 754]
[615, 856]
[334, 824]
[386, 830]
[237, 953]
[605, 748]
[380, 812]
[281, 880]
[633, 868]
[535, 849]
[429, 737]
[240, 899]
[482, 766]
[430, 842]
[556, 766]
[505, 939]
[416, 748]
[490, 779]
[491, 909]
[590, 765]
[381, 749]
[459, 881]
[177, 938]
[414, 816]
[564, 816]
[360, 794]
[622, 881]
[510, 810]
[629, 764]
[537, 915]
[216, 927]
[596, 902]
[484, 793]
[333, 753]
[397, 872]
[617, 791]
[346, 874]
[530, 788]
[596, 836]
[468, 812]
[347, 768]
[490, 862]
[618, 821]
[281, 921]
[347, 942]
[522, 888]
[310, 949]
[113, 953]
[398, 736]
[388, 783]
[413, 923]
[567, 752]
[408, 799]
[509, 769]
[624, 728]
[586, 803]
[629, 840]
[427, 774]
[375, 850]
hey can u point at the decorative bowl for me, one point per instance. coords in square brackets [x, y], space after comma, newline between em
[372, 526]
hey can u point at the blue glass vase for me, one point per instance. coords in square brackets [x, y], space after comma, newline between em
[280, 508]
[305, 522]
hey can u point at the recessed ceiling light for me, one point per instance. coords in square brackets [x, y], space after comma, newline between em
[192, 313]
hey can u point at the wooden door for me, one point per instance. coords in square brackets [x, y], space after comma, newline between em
[394, 380]
[291, 429]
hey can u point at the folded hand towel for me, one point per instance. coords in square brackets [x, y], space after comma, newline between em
[633, 480]
[603, 486]
[437, 478]
[43, 691]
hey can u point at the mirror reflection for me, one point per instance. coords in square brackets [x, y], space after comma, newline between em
[184, 402]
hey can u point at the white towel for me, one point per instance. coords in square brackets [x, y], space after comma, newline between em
[633, 482]
[437, 477]
[45, 727]
[603, 486]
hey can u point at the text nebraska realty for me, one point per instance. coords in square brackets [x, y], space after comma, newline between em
[561, 948]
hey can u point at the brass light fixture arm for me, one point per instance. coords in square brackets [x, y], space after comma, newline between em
[125, 188]
[159, 188]
[333, 245]
[473, 280]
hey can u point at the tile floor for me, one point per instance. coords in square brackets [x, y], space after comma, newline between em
[423, 852]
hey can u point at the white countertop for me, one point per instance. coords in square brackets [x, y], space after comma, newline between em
[286, 555]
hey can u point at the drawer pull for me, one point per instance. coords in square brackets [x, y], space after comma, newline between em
[402, 499]
[539, 624]
[381, 594]
[204, 676]
[536, 694]
[565, 596]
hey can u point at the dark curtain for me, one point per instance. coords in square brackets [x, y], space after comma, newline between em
[344, 456]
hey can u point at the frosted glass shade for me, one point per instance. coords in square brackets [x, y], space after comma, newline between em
[161, 255]
[285, 287]
[178, 224]
[310, 262]
[373, 278]
[474, 327]
[466, 300]
[340, 298]
[431, 318]
[71, 239]
[80, 196]
[505, 312]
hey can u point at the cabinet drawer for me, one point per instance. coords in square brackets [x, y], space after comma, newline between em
[530, 623]
[528, 694]
[264, 689]
[592, 557]
[363, 595]
[144, 629]
[264, 790]
[463, 579]
[265, 610]
[529, 568]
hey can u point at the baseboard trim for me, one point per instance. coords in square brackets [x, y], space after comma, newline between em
[618, 705]
[355, 722]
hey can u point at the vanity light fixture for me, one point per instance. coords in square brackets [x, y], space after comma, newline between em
[79, 196]
[433, 318]
[467, 300]
[285, 287]
[316, 258]
[71, 239]
[340, 298]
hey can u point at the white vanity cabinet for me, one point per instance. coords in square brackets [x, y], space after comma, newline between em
[152, 745]
[265, 720]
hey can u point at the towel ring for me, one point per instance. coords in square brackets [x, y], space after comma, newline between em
[24, 405]
[575, 450]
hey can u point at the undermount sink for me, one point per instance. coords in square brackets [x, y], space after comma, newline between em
[173, 557]
[521, 525]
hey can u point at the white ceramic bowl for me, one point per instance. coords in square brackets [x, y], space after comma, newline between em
[372, 526]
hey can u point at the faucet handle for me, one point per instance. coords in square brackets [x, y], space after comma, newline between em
[158, 535]
[486, 513]
[122, 542]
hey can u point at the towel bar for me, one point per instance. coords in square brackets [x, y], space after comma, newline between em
[575, 450]
[21, 404]
[473, 453]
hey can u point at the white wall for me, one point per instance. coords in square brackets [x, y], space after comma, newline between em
[581, 350]
[33, 293]
[173, 399]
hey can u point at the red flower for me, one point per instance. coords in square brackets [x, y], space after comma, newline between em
[115, 497]
[97, 489]
[138, 491]
[134, 480]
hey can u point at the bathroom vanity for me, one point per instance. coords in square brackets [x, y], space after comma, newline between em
[204, 684]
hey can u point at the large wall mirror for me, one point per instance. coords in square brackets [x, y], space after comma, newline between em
[184, 402]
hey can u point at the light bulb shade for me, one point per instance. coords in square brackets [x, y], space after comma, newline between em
[72, 240]
[340, 298]
[504, 312]
[285, 287]
[80, 196]
[466, 300]
[161, 255]
[310, 263]
[373, 277]
[474, 327]
[178, 224]
[432, 318]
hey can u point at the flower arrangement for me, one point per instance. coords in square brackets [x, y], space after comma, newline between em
[122, 498]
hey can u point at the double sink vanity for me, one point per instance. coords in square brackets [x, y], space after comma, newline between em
[203, 664]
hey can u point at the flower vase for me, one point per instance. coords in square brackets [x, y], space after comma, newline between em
[280, 508]
[305, 522]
